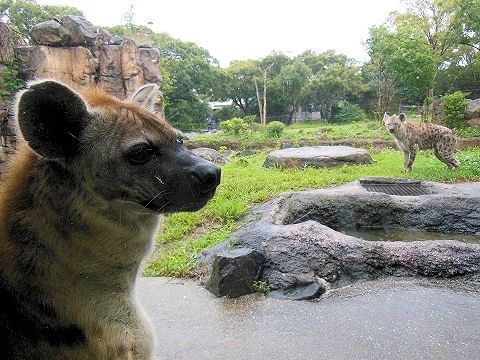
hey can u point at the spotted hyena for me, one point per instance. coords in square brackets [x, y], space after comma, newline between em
[80, 207]
[410, 137]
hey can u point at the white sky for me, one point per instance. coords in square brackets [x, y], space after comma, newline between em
[250, 29]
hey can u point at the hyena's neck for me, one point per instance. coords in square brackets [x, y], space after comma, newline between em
[90, 243]
[401, 133]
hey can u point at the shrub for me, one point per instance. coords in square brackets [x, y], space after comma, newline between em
[235, 125]
[454, 107]
[275, 129]
[9, 79]
[349, 112]
[249, 119]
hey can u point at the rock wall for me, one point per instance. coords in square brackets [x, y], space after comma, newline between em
[70, 49]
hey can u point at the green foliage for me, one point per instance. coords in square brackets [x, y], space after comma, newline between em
[274, 129]
[261, 287]
[349, 112]
[249, 119]
[10, 80]
[234, 126]
[404, 55]
[454, 107]
[227, 113]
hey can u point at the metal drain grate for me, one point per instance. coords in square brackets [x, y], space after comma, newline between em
[398, 189]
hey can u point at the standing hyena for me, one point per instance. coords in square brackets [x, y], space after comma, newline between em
[80, 207]
[413, 136]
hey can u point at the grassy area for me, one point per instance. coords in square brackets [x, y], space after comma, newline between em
[245, 183]
[316, 130]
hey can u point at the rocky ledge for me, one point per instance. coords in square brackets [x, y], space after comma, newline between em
[294, 245]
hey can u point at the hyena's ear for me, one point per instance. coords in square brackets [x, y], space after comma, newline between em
[385, 117]
[51, 117]
[148, 96]
[402, 117]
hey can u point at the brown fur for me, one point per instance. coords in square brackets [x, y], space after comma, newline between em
[411, 137]
[77, 220]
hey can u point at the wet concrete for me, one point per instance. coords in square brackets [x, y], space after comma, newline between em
[388, 319]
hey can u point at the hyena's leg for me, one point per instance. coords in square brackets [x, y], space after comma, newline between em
[446, 156]
[409, 159]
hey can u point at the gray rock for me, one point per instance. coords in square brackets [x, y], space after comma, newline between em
[309, 292]
[50, 33]
[299, 235]
[473, 109]
[317, 156]
[235, 271]
[82, 32]
[103, 37]
[210, 155]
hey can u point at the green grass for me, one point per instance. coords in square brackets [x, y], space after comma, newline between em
[245, 183]
[309, 131]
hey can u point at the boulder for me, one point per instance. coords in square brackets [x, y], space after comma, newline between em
[82, 32]
[317, 156]
[50, 33]
[103, 37]
[132, 69]
[475, 123]
[299, 235]
[473, 109]
[210, 155]
[150, 60]
[235, 271]
[75, 66]
[110, 70]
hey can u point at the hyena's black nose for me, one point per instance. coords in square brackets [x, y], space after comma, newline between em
[208, 175]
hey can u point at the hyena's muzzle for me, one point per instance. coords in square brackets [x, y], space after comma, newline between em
[183, 182]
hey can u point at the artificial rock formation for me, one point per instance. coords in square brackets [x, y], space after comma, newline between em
[72, 50]
[305, 253]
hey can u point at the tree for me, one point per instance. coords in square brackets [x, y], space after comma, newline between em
[24, 14]
[237, 82]
[293, 78]
[405, 63]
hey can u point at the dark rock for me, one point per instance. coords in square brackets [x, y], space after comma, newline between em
[235, 271]
[110, 70]
[50, 33]
[103, 37]
[210, 155]
[82, 32]
[297, 234]
[317, 156]
[309, 292]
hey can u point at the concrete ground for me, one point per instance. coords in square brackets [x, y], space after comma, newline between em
[390, 319]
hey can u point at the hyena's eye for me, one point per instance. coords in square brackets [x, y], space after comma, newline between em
[180, 140]
[139, 155]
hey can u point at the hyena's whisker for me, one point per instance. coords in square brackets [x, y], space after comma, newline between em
[156, 196]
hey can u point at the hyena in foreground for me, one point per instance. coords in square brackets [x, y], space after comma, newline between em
[413, 136]
[80, 207]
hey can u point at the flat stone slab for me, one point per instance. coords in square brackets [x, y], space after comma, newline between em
[317, 156]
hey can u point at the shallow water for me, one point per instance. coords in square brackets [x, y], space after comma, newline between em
[407, 235]
[389, 319]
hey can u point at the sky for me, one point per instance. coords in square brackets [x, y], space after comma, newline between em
[250, 29]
